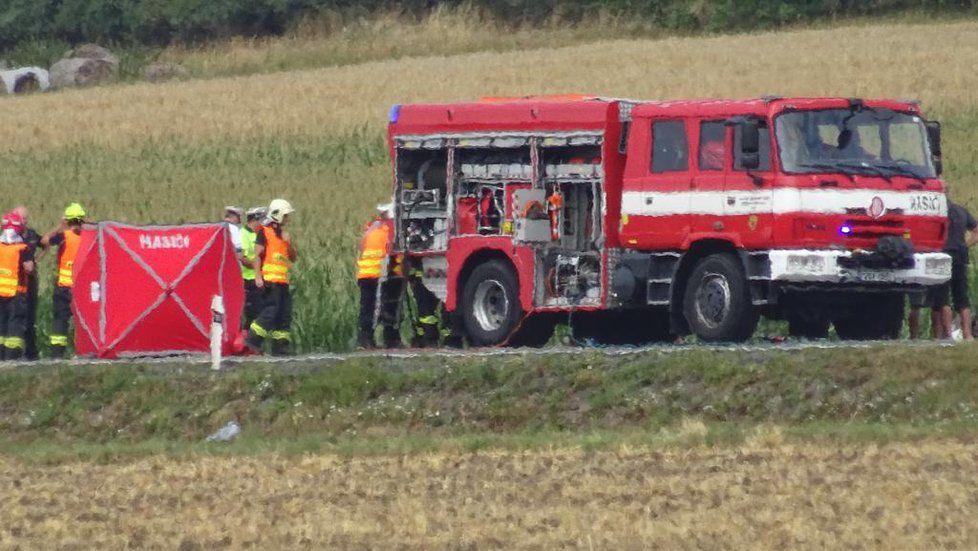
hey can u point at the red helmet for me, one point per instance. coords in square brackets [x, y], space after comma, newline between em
[13, 221]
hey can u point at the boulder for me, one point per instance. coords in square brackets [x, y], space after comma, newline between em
[160, 71]
[79, 71]
[85, 65]
[92, 51]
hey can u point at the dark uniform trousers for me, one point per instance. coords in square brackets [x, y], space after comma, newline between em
[274, 320]
[389, 311]
[427, 303]
[60, 319]
[253, 303]
[13, 326]
[30, 335]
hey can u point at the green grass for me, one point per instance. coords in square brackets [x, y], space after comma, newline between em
[378, 405]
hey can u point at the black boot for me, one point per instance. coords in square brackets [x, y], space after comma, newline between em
[392, 338]
[57, 352]
[254, 342]
[14, 354]
[280, 347]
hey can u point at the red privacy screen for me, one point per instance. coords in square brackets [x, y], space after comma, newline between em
[147, 290]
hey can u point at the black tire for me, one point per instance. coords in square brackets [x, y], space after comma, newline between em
[491, 304]
[535, 331]
[808, 327]
[622, 327]
[717, 303]
[877, 318]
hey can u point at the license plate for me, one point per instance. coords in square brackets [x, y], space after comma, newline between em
[875, 276]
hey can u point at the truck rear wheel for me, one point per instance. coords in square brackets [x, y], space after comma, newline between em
[878, 318]
[717, 302]
[491, 304]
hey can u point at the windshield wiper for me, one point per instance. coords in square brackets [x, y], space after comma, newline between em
[904, 171]
[872, 169]
[828, 167]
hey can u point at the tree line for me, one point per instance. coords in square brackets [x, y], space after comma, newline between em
[162, 22]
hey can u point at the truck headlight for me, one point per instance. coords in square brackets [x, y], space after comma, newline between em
[940, 266]
[806, 263]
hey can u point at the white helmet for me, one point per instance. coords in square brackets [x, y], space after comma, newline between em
[387, 209]
[278, 208]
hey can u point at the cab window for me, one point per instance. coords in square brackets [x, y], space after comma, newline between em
[764, 150]
[670, 148]
[713, 146]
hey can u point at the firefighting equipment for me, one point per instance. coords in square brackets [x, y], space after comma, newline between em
[387, 209]
[276, 263]
[278, 209]
[374, 248]
[248, 239]
[237, 211]
[555, 204]
[257, 213]
[10, 268]
[66, 257]
[74, 211]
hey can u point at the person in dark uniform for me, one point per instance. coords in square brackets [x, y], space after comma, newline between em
[33, 241]
[961, 236]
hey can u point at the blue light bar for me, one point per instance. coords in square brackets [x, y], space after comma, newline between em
[395, 113]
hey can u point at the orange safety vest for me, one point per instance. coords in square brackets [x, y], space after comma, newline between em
[69, 251]
[375, 245]
[10, 263]
[275, 262]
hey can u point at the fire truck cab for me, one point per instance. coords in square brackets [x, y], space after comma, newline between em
[639, 221]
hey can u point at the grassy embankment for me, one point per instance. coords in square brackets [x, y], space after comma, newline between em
[586, 399]
[180, 151]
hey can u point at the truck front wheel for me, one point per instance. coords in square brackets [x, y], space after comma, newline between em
[717, 302]
[491, 304]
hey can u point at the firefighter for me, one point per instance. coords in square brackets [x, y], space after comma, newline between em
[377, 270]
[274, 256]
[66, 237]
[16, 262]
[33, 241]
[249, 234]
[426, 319]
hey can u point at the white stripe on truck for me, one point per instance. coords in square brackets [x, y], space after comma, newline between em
[780, 201]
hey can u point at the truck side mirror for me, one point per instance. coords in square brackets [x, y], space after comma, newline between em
[934, 139]
[750, 141]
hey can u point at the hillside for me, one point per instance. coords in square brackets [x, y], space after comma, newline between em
[182, 150]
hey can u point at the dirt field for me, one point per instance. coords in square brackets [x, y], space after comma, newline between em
[766, 494]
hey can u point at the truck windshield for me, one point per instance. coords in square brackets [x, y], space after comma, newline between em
[866, 141]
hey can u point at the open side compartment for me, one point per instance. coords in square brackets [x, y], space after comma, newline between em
[422, 188]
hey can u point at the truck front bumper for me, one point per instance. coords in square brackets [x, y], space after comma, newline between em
[814, 266]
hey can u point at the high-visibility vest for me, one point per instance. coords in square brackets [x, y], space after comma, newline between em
[66, 259]
[374, 247]
[10, 254]
[275, 262]
[248, 239]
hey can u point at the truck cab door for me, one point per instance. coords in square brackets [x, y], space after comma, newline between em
[707, 202]
[656, 185]
[749, 201]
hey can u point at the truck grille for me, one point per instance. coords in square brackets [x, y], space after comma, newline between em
[874, 229]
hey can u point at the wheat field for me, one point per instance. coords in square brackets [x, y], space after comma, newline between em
[767, 494]
[180, 151]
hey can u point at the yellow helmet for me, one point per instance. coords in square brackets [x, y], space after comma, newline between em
[278, 208]
[74, 212]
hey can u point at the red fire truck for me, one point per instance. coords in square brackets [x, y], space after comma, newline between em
[638, 221]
